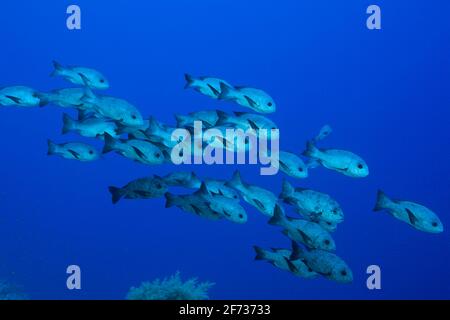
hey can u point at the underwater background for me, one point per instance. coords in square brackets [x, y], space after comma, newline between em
[385, 93]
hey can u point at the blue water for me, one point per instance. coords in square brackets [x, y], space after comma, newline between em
[385, 93]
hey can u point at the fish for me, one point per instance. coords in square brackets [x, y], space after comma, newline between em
[281, 258]
[89, 127]
[20, 96]
[255, 99]
[208, 118]
[246, 120]
[325, 263]
[325, 131]
[416, 215]
[218, 187]
[262, 199]
[327, 225]
[207, 86]
[183, 179]
[142, 188]
[73, 151]
[138, 150]
[237, 142]
[228, 208]
[65, 98]
[192, 203]
[341, 161]
[292, 165]
[81, 76]
[161, 133]
[114, 108]
[133, 132]
[307, 232]
[313, 205]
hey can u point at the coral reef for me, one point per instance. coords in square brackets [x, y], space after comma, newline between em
[171, 288]
[10, 291]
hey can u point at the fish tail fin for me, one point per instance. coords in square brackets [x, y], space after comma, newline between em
[235, 181]
[287, 190]
[68, 123]
[312, 163]
[278, 218]
[225, 92]
[110, 143]
[57, 69]
[51, 147]
[382, 200]
[183, 121]
[44, 99]
[189, 80]
[116, 194]
[311, 150]
[297, 252]
[170, 199]
[260, 253]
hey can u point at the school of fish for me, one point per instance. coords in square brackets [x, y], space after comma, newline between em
[124, 131]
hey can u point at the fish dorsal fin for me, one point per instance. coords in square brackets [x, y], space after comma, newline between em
[204, 189]
[411, 216]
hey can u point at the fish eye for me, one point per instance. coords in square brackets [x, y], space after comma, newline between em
[335, 211]
[158, 186]
[434, 224]
[91, 152]
[327, 242]
[157, 155]
[300, 169]
[269, 104]
[310, 270]
[241, 216]
[360, 166]
[134, 117]
[343, 273]
[102, 81]
[34, 95]
[235, 197]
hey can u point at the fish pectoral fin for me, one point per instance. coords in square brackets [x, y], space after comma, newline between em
[139, 153]
[14, 99]
[214, 90]
[251, 102]
[252, 124]
[196, 209]
[411, 216]
[259, 204]
[74, 153]
[291, 266]
[305, 237]
[143, 193]
[284, 167]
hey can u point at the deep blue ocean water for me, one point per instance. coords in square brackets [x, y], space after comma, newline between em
[385, 93]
